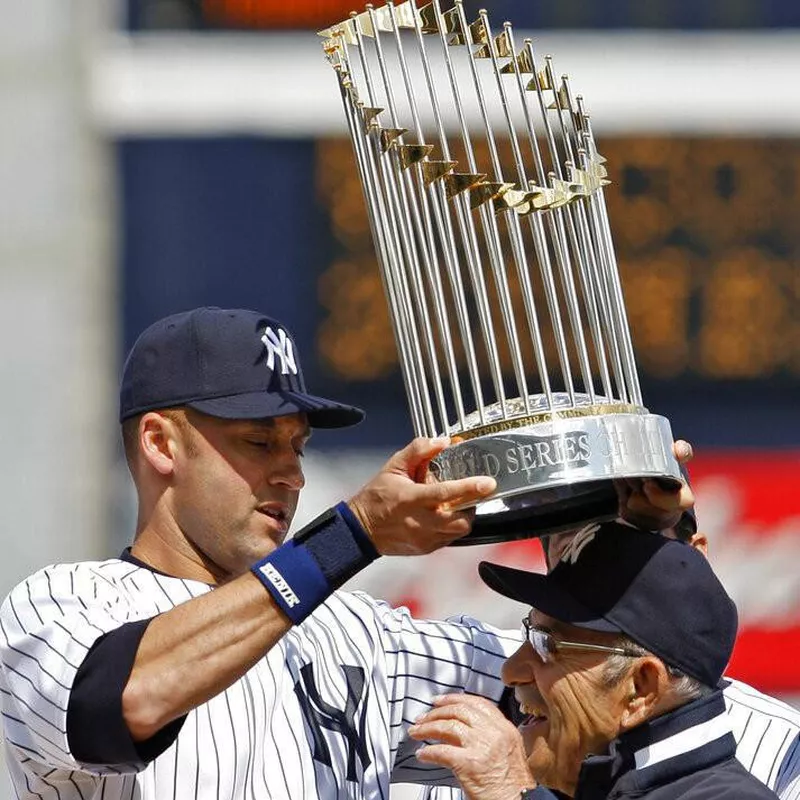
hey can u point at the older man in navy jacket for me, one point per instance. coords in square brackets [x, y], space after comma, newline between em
[627, 639]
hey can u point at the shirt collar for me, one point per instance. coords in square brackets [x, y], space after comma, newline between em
[126, 555]
[692, 737]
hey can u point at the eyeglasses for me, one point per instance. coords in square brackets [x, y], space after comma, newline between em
[546, 646]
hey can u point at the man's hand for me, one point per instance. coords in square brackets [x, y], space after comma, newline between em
[652, 506]
[405, 512]
[482, 748]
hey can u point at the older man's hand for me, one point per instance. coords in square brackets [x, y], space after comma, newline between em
[652, 506]
[483, 749]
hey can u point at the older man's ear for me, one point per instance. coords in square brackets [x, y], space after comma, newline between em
[646, 692]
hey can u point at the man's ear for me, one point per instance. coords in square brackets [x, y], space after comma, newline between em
[157, 441]
[647, 685]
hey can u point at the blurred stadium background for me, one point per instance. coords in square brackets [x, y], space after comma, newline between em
[162, 154]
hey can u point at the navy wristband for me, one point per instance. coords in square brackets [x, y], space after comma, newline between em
[339, 544]
[293, 578]
[304, 571]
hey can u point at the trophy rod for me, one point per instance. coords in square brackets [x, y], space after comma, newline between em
[417, 311]
[562, 217]
[588, 243]
[555, 220]
[515, 238]
[492, 239]
[592, 236]
[555, 227]
[599, 202]
[465, 221]
[438, 195]
[564, 214]
[375, 211]
[587, 152]
[491, 235]
[537, 230]
[444, 227]
[438, 200]
[400, 237]
[535, 221]
[430, 259]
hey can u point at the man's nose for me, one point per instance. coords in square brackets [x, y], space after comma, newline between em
[289, 472]
[518, 668]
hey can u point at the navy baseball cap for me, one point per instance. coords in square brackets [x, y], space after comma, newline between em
[228, 363]
[660, 592]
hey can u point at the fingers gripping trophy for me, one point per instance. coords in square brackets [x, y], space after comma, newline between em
[502, 283]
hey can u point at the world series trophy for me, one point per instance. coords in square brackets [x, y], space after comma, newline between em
[485, 265]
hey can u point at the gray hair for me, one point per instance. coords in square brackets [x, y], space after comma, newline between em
[684, 687]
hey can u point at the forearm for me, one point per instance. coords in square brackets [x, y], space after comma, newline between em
[197, 650]
[193, 652]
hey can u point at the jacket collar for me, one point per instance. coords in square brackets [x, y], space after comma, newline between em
[692, 737]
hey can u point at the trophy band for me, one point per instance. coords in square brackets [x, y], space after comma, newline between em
[484, 191]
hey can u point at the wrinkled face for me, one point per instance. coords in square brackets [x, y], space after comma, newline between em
[236, 485]
[570, 712]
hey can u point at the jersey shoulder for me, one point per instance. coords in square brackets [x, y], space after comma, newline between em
[743, 698]
[49, 583]
[122, 589]
[398, 627]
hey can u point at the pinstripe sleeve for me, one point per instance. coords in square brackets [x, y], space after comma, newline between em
[787, 784]
[48, 624]
[426, 659]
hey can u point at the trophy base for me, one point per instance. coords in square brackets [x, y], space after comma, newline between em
[557, 475]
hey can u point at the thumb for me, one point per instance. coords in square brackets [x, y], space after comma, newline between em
[413, 459]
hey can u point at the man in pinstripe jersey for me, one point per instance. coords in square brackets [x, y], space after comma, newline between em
[766, 730]
[214, 659]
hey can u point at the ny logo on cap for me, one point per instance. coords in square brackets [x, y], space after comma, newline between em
[280, 345]
[579, 541]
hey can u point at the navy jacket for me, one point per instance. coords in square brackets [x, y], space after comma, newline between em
[687, 754]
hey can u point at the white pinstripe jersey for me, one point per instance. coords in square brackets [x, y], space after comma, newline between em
[767, 734]
[322, 715]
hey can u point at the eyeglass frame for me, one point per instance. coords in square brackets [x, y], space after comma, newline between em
[547, 657]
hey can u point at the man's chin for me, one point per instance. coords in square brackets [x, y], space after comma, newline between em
[534, 734]
[542, 760]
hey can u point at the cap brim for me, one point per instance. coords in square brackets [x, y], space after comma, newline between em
[543, 594]
[322, 413]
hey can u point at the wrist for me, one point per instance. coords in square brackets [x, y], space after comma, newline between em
[303, 572]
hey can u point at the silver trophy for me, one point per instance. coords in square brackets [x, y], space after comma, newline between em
[502, 282]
